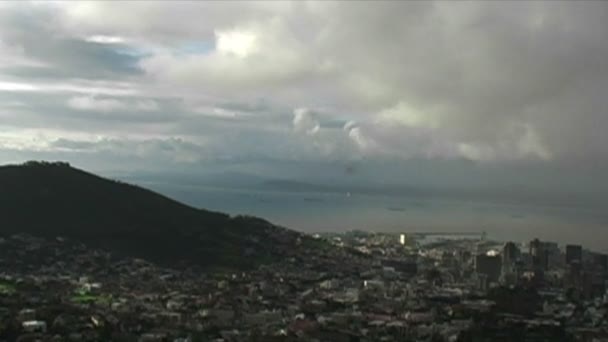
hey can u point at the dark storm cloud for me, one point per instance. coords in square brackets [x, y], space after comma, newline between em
[75, 59]
[40, 110]
[34, 32]
[510, 86]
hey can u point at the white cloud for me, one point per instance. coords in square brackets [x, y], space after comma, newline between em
[237, 43]
[305, 121]
[96, 104]
[531, 145]
[404, 114]
[81, 86]
[88, 87]
[146, 106]
[34, 139]
[15, 86]
[480, 153]
[16, 140]
[363, 142]
[218, 112]
[90, 103]
[101, 39]
[247, 59]
[349, 125]
[521, 142]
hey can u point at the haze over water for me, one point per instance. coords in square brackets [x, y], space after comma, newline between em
[317, 212]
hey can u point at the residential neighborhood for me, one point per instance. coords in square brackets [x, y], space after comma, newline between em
[362, 287]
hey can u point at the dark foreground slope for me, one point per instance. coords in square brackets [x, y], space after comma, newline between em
[55, 199]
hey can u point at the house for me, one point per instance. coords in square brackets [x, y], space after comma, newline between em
[34, 326]
[27, 315]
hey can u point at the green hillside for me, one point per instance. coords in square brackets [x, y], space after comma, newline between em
[55, 199]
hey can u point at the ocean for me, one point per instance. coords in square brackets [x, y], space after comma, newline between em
[318, 212]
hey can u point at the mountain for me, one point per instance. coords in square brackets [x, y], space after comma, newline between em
[56, 199]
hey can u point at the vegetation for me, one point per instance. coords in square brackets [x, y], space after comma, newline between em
[55, 199]
[7, 288]
[90, 298]
[84, 298]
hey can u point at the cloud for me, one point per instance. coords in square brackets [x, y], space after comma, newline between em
[247, 58]
[169, 149]
[237, 43]
[13, 86]
[92, 103]
[110, 88]
[504, 98]
[364, 143]
[403, 114]
[498, 82]
[13, 55]
[305, 121]
[101, 39]
[220, 113]
[146, 105]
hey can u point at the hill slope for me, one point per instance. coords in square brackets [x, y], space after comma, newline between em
[55, 199]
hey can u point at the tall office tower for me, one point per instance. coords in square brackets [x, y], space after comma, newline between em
[540, 255]
[601, 261]
[574, 252]
[554, 255]
[490, 265]
[510, 254]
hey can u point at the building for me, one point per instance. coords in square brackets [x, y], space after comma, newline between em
[404, 266]
[539, 255]
[574, 252]
[510, 255]
[482, 282]
[511, 267]
[34, 326]
[489, 265]
[601, 261]
[555, 258]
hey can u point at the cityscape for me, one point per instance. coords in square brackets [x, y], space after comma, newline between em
[303, 170]
[356, 286]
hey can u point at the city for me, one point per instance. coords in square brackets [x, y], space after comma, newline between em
[303, 170]
[356, 286]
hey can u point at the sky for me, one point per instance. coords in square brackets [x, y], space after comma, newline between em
[496, 96]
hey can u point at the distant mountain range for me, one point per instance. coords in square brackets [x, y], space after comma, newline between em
[56, 199]
[510, 195]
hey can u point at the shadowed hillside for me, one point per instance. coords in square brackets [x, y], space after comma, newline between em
[55, 199]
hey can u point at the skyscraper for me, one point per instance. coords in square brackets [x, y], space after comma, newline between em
[539, 254]
[490, 265]
[574, 252]
[510, 258]
[510, 254]
[601, 261]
